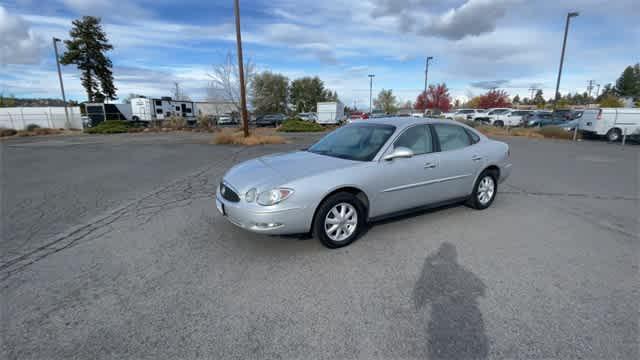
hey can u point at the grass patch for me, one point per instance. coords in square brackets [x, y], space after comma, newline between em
[298, 125]
[110, 127]
[555, 132]
[236, 137]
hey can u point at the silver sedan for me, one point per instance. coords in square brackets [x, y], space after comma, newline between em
[363, 172]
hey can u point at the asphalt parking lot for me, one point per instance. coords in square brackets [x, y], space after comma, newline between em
[112, 248]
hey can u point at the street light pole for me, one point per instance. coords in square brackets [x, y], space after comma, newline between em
[564, 45]
[426, 72]
[371, 76]
[67, 124]
[243, 95]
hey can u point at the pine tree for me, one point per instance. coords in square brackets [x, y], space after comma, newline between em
[627, 83]
[516, 99]
[86, 50]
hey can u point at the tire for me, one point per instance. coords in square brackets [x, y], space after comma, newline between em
[499, 123]
[477, 200]
[326, 212]
[614, 135]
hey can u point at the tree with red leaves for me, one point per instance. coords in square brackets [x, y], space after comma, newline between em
[494, 98]
[436, 97]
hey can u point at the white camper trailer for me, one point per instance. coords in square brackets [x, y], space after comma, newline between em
[330, 112]
[144, 109]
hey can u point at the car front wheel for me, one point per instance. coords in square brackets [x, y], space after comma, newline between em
[614, 135]
[484, 191]
[339, 220]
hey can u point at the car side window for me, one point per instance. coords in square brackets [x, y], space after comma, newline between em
[451, 137]
[416, 138]
[474, 137]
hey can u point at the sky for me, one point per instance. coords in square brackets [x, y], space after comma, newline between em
[476, 44]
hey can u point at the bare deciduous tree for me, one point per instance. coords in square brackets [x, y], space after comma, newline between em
[225, 81]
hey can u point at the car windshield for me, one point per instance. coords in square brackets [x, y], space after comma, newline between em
[360, 142]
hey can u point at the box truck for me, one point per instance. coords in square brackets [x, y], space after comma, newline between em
[331, 112]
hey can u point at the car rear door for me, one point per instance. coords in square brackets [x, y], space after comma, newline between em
[405, 183]
[460, 160]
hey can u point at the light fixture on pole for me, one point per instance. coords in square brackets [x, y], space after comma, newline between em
[564, 45]
[371, 76]
[67, 124]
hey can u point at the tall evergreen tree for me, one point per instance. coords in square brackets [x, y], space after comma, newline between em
[86, 50]
[628, 83]
[538, 99]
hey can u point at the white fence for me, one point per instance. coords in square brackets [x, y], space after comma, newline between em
[46, 117]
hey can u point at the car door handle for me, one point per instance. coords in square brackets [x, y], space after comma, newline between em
[476, 158]
[430, 165]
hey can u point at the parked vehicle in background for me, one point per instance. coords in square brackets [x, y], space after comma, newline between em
[308, 116]
[490, 115]
[449, 114]
[432, 113]
[570, 125]
[227, 120]
[378, 115]
[144, 109]
[362, 172]
[464, 114]
[566, 114]
[539, 117]
[271, 120]
[509, 118]
[331, 112]
[99, 112]
[358, 115]
[610, 122]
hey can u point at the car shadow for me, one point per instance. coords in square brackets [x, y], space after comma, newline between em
[456, 328]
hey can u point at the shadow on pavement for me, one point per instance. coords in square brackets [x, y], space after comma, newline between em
[456, 329]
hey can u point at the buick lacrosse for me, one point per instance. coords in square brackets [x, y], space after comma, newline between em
[362, 172]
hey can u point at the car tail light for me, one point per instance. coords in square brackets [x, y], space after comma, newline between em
[599, 117]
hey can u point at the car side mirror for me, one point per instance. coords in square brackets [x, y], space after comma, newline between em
[399, 152]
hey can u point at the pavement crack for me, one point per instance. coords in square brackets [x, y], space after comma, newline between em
[180, 193]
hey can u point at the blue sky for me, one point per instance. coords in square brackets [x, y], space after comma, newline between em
[476, 43]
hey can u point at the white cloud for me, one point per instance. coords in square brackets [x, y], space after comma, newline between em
[108, 9]
[18, 44]
[473, 18]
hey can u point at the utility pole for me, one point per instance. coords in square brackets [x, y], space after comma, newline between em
[564, 46]
[426, 73]
[590, 87]
[533, 89]
[243, 95]
[371, 76]
[67, 124]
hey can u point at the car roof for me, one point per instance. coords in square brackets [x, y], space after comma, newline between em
[402, 122]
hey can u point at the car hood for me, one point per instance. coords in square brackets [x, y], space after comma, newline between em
[276, 169]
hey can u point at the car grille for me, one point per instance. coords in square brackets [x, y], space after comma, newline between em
[228, 193]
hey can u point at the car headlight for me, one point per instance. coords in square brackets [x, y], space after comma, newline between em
[274, 196]
[250, 195]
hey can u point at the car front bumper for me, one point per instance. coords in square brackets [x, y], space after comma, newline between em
[273, 220]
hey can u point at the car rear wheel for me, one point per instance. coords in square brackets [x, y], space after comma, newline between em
[499, 123]
[484, 191]
[614, 135]
[339, 220]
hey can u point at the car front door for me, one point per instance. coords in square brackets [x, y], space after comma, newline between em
[404, 183]
[460, 161]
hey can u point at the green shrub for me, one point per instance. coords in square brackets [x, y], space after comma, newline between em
[32, 127]
[298, 125]
[110, 127]
[7, 132]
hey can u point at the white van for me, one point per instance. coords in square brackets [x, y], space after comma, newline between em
[612, 122]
